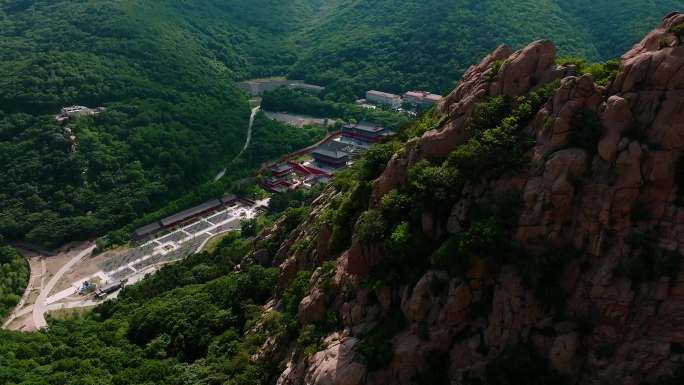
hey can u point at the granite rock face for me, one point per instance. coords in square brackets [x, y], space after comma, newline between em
[589, 198]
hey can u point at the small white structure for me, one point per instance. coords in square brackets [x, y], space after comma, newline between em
[75, 111]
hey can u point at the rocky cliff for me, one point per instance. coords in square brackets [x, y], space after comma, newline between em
[581, 286]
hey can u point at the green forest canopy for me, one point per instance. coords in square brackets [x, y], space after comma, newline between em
[166, 72]
[397, 45]
[14, 273]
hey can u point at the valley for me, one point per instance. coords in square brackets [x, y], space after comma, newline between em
[341, 192]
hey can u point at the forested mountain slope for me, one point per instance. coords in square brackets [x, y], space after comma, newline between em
[397, 45]
[166, 72]
[528, 230]
[615, 25]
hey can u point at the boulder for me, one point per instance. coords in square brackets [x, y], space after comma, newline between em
[361, 258]
[417, 304]
[563, 355]
[525, 68]
[336, 365]
[615, 118]
[312, 308]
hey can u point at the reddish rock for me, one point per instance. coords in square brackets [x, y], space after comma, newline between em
[394, 174]
[525, 68]
[427, 221]
[312, 308]
[455, 310]
[361, 258]
[323, 242]
[417, 303]
[564, 354]
[616, 117]
[336, 365]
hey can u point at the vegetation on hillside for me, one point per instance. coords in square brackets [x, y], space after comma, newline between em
[270, 140]
[14, 275]
[194, 322]
[397, 45]
[165, 71]
[295, 101]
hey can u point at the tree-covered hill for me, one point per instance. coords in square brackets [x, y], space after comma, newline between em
[166, 70]
[395, 45]
[615, 25]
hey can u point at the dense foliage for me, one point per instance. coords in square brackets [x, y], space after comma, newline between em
[165, 70]
[14, 275]
[291, 100]
[398, 45]
[165, 121]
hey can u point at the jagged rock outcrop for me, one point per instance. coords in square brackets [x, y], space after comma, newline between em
[500, 73]
[592, 197]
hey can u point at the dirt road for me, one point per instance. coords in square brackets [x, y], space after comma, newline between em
[40, 307]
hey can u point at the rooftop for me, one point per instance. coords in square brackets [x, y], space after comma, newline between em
[335, 149]
[382, 94]
[423, 95]
[147, 230]
[364, 126]
[330, 153]
[306, 86]
[185, 214]
[282, 167]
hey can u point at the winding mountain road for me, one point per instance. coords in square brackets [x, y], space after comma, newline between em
[255, 110]
[40, 306]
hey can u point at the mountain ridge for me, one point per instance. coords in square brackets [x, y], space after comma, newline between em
[530, 224]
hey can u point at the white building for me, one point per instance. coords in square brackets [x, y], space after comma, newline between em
[383, 98]
[76, 110]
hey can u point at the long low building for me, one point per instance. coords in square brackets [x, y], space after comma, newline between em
[191, 212]
[184, 215]
[144, 231]
[307, 87]
[109, 289]
[383, 98]
[366, 132]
